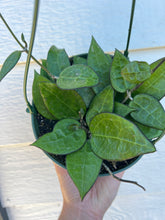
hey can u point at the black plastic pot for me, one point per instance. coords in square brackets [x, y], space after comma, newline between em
[42, 126]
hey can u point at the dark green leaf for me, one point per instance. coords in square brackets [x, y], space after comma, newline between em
[148, 111]
[100, 63]
[149, 132]
[109, 58]
[155, 85]
[79, 60]
[102, 102]
[62, 103]
[23, 39]
[121, 109]
[10, 63]
[57, 60]
[77, 76]
[87, 94]
[37, 98]
[136, 72]
[115, 138]
[63, 139]
[43, 72]
[117, 80]
[83, 167]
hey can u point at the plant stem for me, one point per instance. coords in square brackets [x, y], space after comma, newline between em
[122, 180]
[159, 64]
[21, 45]
[11, 31]
[130, 27]
[35, 15]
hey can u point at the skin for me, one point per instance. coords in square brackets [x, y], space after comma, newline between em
[95, 203]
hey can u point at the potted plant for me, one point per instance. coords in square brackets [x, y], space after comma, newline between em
[94, 113]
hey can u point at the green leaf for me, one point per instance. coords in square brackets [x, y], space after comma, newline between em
[79, 60]
[148, 111]
[102, 102]
[149, 132]
[109, 58]
[44, 73]
[38, 99]
[23, 40]
[83, 167]
[57, 60]
[87, 94]
[64, 139]
[155, 63]
[136, 72]
[10, 63]
[121, 109]
[117, 80]
[115, 138]
[155, 84]
[77, 76]
[100, 63]
[62, 103]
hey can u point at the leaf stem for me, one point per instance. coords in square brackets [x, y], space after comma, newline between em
[122, 180]
[130, 27]
[35, 15]
[21, 45]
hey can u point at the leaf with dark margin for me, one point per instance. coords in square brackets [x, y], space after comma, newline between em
[149, 132]
[148, 111]
[102, 102]
[155, 85]
[43, 72]
[100, 63]
[109, 58]
[79, 60]
[10, 63]
[57, 60]
[62, 103]
[117, 80]
[77, 76]
[136, 72]
[87, 94]
[122, 110]
[62, 140]
[38, 99]
[115, 138]
[83, 167]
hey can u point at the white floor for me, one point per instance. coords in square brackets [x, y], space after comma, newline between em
[29, 187]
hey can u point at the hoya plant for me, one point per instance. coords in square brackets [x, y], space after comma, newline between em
[95, 111]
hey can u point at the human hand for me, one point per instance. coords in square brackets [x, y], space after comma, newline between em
[94, 204]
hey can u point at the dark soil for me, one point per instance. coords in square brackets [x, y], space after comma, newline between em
[43, 126]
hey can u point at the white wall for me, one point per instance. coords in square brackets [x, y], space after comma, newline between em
[70, 24]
